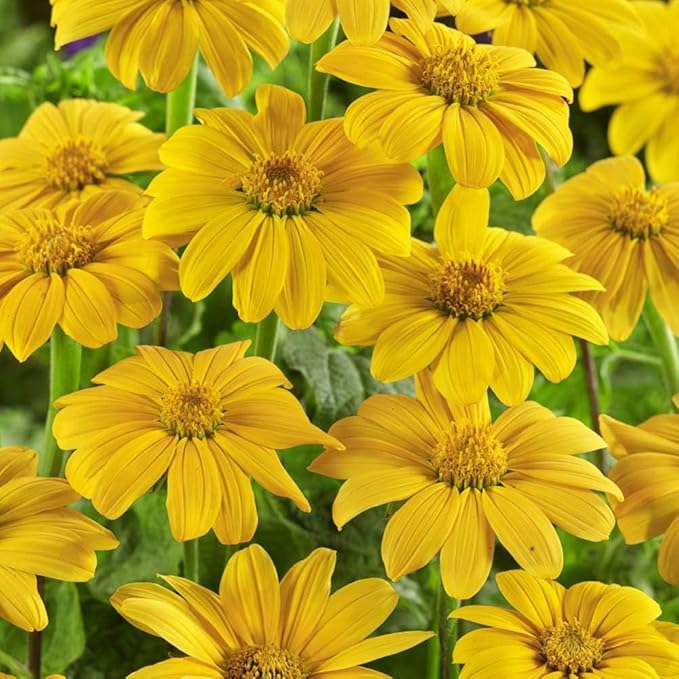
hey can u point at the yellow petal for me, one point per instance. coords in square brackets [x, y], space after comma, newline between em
[16, 462]
[540, 601]
[363, 22]
[281, 114]
[178, 668]
[307, 20]
[462, 221]
[20, 603]
[668, 556]
[520, 30]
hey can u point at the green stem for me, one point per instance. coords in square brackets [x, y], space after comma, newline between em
[434, 644]
[14, 666]
[180, 102]
[267, 334]
[592, 382]
[192, 560]
[318, 82]
[665, 343]
[438, 177]
[453, 632]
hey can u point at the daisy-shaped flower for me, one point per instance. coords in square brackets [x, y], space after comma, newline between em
[647, 472]
[159, 39]
[644, 84]
[481, 308]
[466, 480]
[83, 266]
[563, 33]
[259, 627]
[39, 535]
[209, 420]
[486, 104]
[73, 150]
[287, 208]
[625, 236]
[590, 630]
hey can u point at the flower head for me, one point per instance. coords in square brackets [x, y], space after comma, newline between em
[643, 82]
[608, 209]
[465, 480]
[259, 627]
[72, 151]
[40, 535]
[287, 207]
[83, 266]
[209, 420]
[588, 630]
[564, 34]
[486, 104]
[481, 308]
[160, 38]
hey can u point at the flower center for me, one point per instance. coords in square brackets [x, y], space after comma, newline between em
[668, 71]
[462, 75]
[52, 247]
[571, 649]
[526, 3]
[76, 163]
[468, 289]
[469, 456]
[282, 184]
[191, 411]
[263, 662]
[638, 214]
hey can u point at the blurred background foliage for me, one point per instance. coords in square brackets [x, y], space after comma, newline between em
[86, 637]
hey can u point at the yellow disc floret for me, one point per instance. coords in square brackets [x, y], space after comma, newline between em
[263, 662]
[191, 411]
[527, 3]
[284, 184]
[75, 163]
[571, 649]
[638, 214]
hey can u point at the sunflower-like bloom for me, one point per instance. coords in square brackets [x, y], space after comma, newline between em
[486, 104]
[590, 630]
[83, 266]
[647, 471]
[259, 627]
[39, 535]
[482, 308]
[563, 33]
[285, 207]
[466, 480]
[160, 38]
[210, 420]
[72, 151]
[644, 83]
[625, 236]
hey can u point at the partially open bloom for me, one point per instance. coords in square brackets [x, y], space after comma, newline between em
[622, 234]
[643, 82]
[160, 39]
[563, 33]
[39, 535]
[287, 208]
[466, 480]
[647, 471]
[481, 308]
[210, 420]
[82, 266]
[261, 628]
[486, 104]
[72, 151]
[590, 630]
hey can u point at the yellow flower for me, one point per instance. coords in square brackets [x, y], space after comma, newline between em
[83, 266]
[160, 38]
[588, 630]
[644, 83]
[482, 308]
[39, 535]
[486, 104]
[563, 33]
[258, 627]
[466, 480]
[210, 420]
[285, 207]
[647, 471]
[72, 151]
[625, 236]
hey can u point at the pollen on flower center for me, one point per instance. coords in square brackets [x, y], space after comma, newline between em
[571, 649]
[468, 289]
[463, 75]
[668, 71]
[284, 184]
[263, 662]
[638, 214]
[527, 3]
[76, 163]
[52, 247]
[469, 456]
[191, 411]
